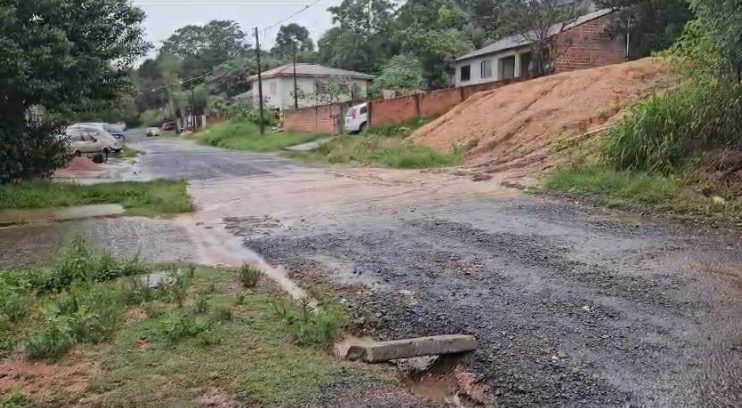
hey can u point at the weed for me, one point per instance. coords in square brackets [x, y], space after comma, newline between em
[242, 135]
[250, 276]
[51, 340]
[209, 338]
[14, 306]
[16, 399]
[140, 198]
[240, 300]
[135, 291]
[308, 328]
[177, 324]
[221, 314]
[202, 304]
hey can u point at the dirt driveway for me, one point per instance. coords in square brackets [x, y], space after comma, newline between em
[573, 306]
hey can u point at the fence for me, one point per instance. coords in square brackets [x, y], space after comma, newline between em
[328, 119]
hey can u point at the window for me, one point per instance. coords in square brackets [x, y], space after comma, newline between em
[507, 67]
[486, 69]
[364, 109]
[274, 88]
[465, 73]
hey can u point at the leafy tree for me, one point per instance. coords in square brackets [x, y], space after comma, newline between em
[363, 16]
[400, 72]
[201, 48]
[723, 20]
[292, 37]
[655, 24]
[50, 59]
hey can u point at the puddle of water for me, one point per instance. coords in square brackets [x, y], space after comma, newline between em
[216, 246]
[36, 215]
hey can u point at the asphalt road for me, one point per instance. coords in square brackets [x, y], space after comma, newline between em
[573, 306]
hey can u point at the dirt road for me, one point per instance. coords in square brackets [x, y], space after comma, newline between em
[573, 306]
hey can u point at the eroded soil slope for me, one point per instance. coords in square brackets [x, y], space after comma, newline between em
[515, 124]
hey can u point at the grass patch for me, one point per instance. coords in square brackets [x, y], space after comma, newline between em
[192, 334]
[630, 189]
[243, 135]
[129, 153]
[380, 150]
[139, 198]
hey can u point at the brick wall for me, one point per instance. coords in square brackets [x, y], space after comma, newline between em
[387, 112]
[589, 45]
[327, 119]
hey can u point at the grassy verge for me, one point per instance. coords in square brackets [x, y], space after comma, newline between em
[633, 189]
[385, 146]
[202, 332]
[140, 198]
[243, 135]
[378, 150]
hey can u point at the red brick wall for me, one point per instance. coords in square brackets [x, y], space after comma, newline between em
[589, 45]
[317, 119]
[326, 119]
[386, 112]
[436, 103]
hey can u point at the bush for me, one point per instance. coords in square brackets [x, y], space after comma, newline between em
[51, 340]
[29, 153]
[178, 324]
[665, 131]
[250, 276]
[14, 306]
[308, 328]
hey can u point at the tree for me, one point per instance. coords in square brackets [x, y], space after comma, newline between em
[654, 24]
[537, 22]
[292, 37]
[363, 16]
[201, 48]
[49, 60]
[723, 21]
[400, 72]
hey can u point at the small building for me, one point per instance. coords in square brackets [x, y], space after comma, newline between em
[582, 43]
[316, 84]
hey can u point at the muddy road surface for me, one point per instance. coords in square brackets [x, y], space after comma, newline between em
[573, 306]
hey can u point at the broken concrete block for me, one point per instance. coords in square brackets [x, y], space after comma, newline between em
[376, 352]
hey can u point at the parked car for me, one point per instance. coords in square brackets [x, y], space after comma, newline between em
[80, 141]
[153, 131]
[356, 120]
[111, 144]
[113, 130]
[168, 126]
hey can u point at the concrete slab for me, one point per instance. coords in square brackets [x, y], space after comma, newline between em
[377, 352]
[308, 147]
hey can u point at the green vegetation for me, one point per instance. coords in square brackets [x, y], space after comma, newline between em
[189, 335]
[141, 198]
[244, 135]
[681, 151]
[250, 276]
[129, 153]
[386, 146]
[378, 150]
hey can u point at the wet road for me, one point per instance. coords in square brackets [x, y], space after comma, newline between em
[573, 306]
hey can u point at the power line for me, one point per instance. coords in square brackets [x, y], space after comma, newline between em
[305, 8]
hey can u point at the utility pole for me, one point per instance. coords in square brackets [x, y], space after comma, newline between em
[296, 86]
[260, 82]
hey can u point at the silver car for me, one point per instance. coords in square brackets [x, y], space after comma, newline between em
[111, 144]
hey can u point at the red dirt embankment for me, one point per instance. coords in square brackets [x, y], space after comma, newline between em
[515, 124]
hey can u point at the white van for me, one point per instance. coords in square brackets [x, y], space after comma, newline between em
[356, 120]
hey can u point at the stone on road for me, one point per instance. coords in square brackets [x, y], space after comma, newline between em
[383, 351]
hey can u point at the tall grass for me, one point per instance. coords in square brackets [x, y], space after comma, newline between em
[664, 131]
[243, 135]
[387, 151]
[159, 196]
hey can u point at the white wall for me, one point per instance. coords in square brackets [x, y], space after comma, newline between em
[476, 63]
[284, 96]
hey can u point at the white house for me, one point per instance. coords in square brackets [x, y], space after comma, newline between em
[316, 85]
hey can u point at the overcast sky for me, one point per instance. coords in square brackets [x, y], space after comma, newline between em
[166, 16]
